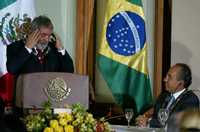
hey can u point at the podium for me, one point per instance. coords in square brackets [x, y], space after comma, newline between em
[61, 88]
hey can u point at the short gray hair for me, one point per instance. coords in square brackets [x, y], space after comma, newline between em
[184, 74]
[41, 21]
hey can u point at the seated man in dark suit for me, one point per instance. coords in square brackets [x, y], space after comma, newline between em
[42, 51]
[177, 97]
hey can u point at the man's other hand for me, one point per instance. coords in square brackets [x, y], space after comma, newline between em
[58, 45]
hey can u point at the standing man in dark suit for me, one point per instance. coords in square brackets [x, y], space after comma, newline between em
[42, 51]
[177, 98]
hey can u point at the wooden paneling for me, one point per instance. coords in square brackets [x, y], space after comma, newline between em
[159, 15]
[162, 43]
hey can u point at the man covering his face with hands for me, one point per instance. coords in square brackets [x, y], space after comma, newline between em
[41, 51]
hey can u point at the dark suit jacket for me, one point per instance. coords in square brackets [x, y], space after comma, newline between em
[185, 101]
[19, 60]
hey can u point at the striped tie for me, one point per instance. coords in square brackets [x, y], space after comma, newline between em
[40, 56]
[172, 99]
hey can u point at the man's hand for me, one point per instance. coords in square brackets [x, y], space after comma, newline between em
[58, 45]
[33, 39]
[142, 121]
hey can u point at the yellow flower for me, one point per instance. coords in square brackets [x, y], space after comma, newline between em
[69, 117]
[48, 129]
[75, 123]
[90, 115]
[62, 115]
[59, 129]
[54, 124]
[69, 128]
[63, 121]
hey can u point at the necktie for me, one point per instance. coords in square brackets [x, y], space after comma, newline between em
[172, 99]
[40, 56]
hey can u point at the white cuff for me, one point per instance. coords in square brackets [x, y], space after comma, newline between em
[62, 51]
[28, 49]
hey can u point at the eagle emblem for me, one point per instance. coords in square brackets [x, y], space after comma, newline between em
[57, 89]
[13, 28]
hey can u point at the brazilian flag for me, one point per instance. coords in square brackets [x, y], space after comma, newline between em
[122, 54]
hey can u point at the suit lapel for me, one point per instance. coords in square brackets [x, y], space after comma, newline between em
[177, 101]
[34, 56]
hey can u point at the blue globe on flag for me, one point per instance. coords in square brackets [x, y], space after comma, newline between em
[125, 33]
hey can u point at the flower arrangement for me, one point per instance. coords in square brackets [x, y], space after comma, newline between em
[79, 120]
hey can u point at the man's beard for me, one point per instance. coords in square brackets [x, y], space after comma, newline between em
[41, 46]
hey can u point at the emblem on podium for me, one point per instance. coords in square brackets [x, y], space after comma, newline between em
[57, 90]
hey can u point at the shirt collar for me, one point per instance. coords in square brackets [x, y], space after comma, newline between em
[178, 93]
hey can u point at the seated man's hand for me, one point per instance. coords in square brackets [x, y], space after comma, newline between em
[142, 121]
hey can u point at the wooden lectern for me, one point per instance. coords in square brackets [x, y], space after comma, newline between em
[61, 88]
